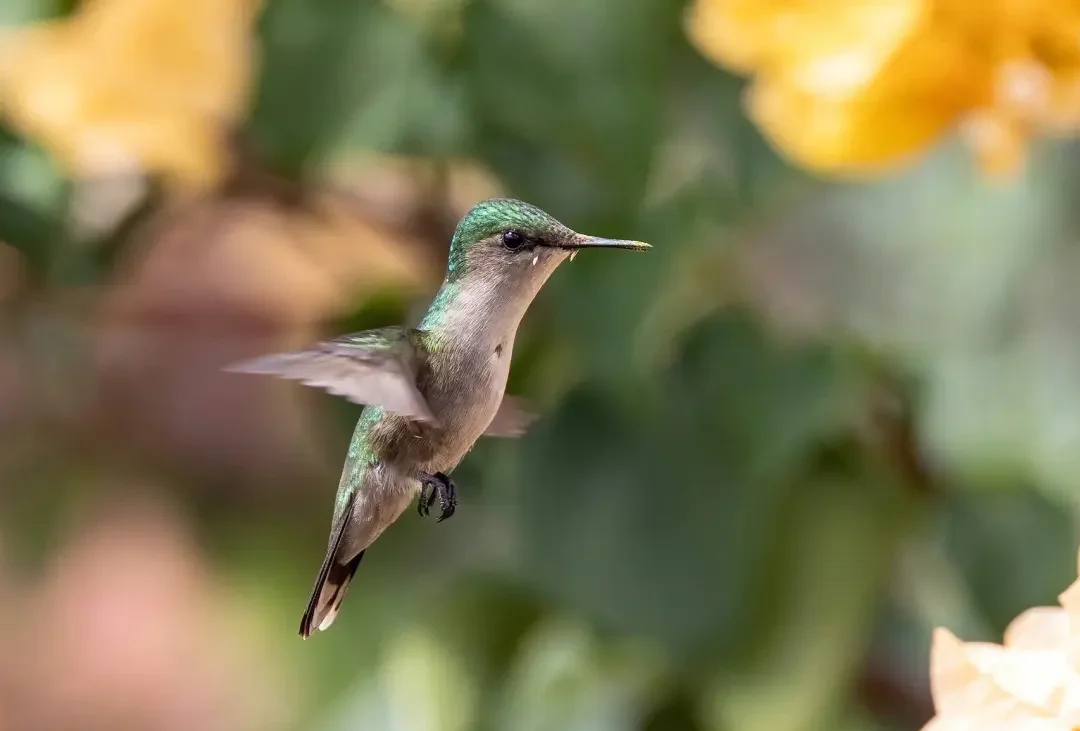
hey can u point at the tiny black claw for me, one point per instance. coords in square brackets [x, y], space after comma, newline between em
[447, 499]
[429, 488]
[423, 498]
[440, 486]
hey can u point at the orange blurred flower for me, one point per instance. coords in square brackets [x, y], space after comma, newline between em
[133, 86]
[1030, 683]
[860, 87]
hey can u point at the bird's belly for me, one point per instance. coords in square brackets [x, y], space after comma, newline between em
[460, 432]
[464, 410]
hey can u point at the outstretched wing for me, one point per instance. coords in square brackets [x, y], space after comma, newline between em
[376, 367]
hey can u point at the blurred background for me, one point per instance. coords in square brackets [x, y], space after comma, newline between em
[837, 406]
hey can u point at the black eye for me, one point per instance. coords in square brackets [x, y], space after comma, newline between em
[513, 239]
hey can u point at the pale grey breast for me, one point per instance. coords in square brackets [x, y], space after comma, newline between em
[464, 389]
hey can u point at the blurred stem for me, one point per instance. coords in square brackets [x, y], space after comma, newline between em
[893, 433]
[889, 427]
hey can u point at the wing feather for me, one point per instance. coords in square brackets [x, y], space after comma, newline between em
[375, 367]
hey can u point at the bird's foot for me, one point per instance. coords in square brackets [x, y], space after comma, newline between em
[441, 486]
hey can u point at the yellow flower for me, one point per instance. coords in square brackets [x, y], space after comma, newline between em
[857, 87]
[1030, 683]
[123, 86]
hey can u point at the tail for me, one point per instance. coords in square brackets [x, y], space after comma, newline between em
[332, 583]
[326, 598]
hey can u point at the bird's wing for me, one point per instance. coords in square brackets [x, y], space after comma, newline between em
[375, 367]
[511, 420]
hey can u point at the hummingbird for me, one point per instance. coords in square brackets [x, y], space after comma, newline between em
[429, 392]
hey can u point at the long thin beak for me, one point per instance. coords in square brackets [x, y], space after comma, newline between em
[592, 242]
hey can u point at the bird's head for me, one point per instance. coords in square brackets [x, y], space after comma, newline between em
[515, 246]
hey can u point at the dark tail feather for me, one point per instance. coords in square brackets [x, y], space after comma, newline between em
[333, 580]
[328, 594]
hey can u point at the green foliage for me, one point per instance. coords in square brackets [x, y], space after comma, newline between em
[33, 199]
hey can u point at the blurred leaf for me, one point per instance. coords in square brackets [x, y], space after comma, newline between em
[415, 104]
[657, 519]
[862, 721]
[17, 12]
[419, 685]
[564, 100]
[967, 284]
[565, 679]
[833, 552]
[26, 231]
[1016, 550]
[33, 201]
[353, 73]
[306, 90]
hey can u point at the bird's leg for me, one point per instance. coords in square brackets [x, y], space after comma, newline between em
[441, 486]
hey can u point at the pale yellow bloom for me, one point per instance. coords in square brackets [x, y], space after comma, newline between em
[133, 86]
[1029, 683]
[860, 86]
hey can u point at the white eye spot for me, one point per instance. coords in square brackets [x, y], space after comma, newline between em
[536, 259]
